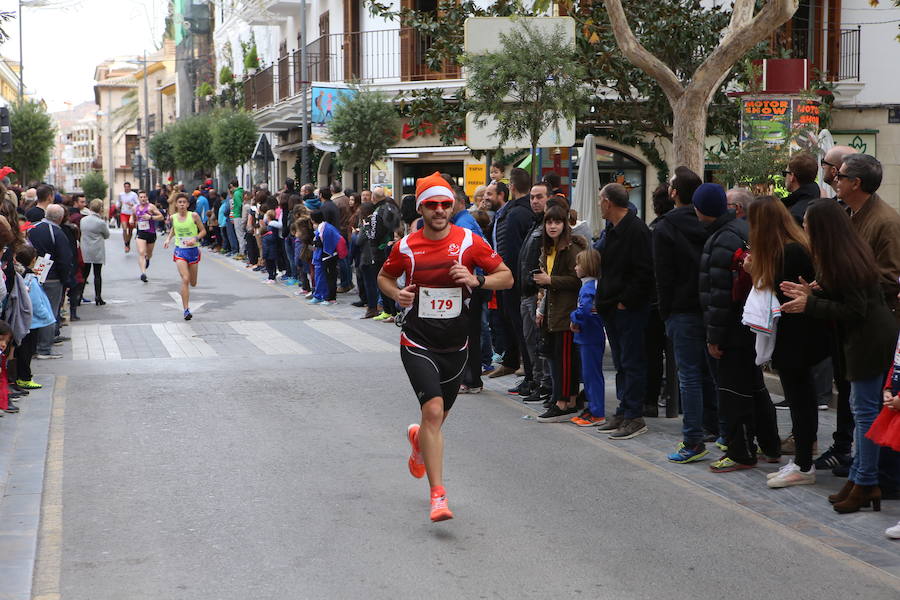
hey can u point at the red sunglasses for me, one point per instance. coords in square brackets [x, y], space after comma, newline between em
[434, 204]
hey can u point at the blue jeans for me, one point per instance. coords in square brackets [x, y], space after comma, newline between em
[487, 350]
[695, 383]
[345, 270]
[865, 402]
[232, 236]
[625, 330]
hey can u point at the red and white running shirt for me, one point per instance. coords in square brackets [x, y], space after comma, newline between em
[438, 319]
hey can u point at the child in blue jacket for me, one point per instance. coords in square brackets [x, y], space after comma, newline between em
[325, 259]
[270, 241]
[43, 319]
[591, 339]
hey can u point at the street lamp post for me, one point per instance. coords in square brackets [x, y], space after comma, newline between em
[21, 60]
[146, 185]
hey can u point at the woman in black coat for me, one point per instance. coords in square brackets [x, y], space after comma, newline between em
[780, 252]
[847, 291]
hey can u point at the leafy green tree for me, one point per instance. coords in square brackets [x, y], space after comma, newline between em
[94, 186]
[161, 148]
[33, 135]
[234, 136]
[755, 164]
[364, 126]
[524, 100]
[192, 143]
[630, 107]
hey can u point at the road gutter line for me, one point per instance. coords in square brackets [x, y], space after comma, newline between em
[48, 563]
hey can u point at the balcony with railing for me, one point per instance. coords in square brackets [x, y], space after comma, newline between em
[381, 57]
[834, 53]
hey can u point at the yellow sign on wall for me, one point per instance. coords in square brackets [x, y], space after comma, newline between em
[475, 175]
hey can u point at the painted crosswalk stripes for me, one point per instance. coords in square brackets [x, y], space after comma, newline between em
[132, 341]
[181, 341]
[349, 336]
[94, 341]
[267, 339]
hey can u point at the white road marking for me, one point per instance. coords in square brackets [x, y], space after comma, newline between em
[347, 335]
[268, 339]
[176, 303]
[94, 341]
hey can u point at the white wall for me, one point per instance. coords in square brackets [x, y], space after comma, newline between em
[879, 49]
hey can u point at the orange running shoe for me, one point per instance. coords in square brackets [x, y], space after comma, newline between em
[416, 465]
[439, 509]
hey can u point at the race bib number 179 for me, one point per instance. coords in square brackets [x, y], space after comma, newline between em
[440, 303]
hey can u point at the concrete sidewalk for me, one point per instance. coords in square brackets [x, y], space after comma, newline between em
[23, 452]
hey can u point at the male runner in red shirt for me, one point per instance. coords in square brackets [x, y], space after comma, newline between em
[438, 261]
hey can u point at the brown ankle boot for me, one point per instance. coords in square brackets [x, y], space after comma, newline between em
[841, 495]
[860, 496]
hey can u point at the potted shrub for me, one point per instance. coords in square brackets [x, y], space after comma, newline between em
[251, 60]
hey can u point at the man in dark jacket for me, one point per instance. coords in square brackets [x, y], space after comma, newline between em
[329, 209]
[800, 181]
[678, 241]
[511, 224]
[380, 232]
[623, 299]
[744, 403]
[47, 237]
[529, 262]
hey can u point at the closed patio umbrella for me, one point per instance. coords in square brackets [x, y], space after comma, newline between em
[585, 194]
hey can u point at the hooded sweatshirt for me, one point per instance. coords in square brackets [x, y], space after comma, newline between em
[678, 241]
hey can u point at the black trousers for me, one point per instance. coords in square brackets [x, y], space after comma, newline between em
[472, 374]
[331, 274]
[98, 279]
[514, 332]
[565, 365]
[271, 264]
[660, 359]
[252, 249]
[800, 391]
[843, 433]
[745, 406]
[24, 354]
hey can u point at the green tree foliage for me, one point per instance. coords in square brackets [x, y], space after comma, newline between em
[526, 101]
[94, 186]
[427, 110]
[755, 164]
[364, 126]
[161, 148]
[5, 15]
[629, 106]
[192, 143]
[234, 135]
[33, 134]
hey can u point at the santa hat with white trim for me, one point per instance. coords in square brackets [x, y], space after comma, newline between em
[431, 187]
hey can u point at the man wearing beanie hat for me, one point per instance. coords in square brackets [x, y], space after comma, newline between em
[710, 200]
[740, 382]
[678, 241]
[438, 261]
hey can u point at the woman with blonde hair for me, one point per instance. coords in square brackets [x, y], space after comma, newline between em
[779, 252]
[94, 233]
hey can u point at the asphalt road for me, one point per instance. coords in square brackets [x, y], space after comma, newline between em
[211, 470]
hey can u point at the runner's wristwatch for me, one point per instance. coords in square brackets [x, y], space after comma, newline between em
[480, 282]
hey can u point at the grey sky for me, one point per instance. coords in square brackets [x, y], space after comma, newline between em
[62, 46]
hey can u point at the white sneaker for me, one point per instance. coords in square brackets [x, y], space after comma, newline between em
[893, 532]
[790, 466]
[790, 474]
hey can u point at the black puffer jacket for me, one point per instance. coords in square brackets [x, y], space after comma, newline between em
[678, 241]
[721, 313]
[529, 257]
[799, 199]
[510, 227]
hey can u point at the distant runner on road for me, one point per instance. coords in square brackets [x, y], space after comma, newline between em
[438, 261]
[144, 220]
[187, 231]
[127, 201]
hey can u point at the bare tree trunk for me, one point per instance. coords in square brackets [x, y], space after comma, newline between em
[689, 134]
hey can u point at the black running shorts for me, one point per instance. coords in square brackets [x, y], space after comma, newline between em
[434, 374]
[147, 236]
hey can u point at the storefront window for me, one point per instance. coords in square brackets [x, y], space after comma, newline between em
[412, 171]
